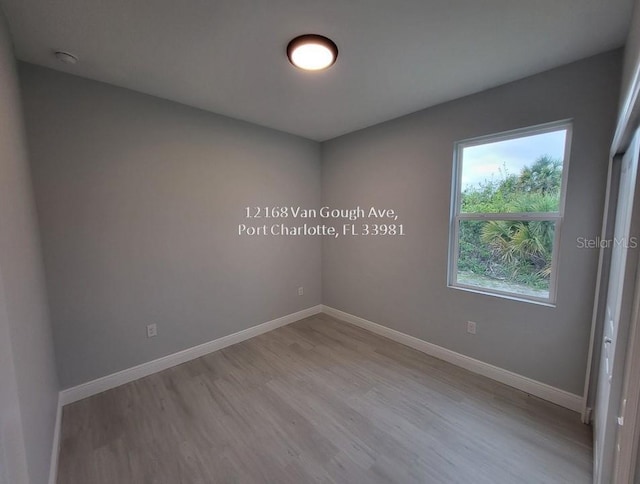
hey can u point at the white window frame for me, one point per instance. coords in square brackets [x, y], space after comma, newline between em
[557, 217]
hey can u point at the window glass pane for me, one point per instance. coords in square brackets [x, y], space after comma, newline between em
[516, 175]
[512, 256]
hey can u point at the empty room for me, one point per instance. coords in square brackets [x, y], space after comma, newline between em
[319, 242]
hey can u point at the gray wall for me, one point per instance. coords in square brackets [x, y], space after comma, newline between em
[139, 201]
[28, 384]
[406, 164]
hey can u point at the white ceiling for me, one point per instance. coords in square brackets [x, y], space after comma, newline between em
[396, 56]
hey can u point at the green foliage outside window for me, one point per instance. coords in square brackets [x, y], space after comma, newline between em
[515, 252]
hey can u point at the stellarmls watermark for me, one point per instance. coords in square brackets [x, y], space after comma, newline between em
[600, 243]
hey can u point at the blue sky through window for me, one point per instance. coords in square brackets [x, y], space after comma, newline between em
[488, 161]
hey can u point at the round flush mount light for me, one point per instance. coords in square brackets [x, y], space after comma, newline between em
[66, 57]
[312, 52]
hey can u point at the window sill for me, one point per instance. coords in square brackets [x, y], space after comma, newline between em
[511, 297]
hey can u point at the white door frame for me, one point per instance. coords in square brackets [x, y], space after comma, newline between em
[618, 320]
[586, 413]
[629, 421]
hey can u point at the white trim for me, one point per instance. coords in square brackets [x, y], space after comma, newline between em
[621, 137]
[487, 291]
[628, 433]
[526, 216]
[521, 132]
[587, 411]
[107, 382]
[501, 294]
[587, 415]
[533, 387]
[556, 217]
[55, 448]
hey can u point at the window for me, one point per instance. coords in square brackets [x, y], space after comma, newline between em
[507, 210]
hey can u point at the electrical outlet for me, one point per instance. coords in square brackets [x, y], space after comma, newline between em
[152, 330]
[471, 327]
[300, 291]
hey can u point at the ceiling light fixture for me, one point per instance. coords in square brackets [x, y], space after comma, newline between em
[66, 57]
[312, 52]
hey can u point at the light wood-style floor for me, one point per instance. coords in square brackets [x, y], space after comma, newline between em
[320, 401]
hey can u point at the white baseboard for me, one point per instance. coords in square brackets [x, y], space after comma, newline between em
[533, 387]
[587, 415]
[55, 448]
[99, 385]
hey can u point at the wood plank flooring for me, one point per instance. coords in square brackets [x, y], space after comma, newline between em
[320, 401]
